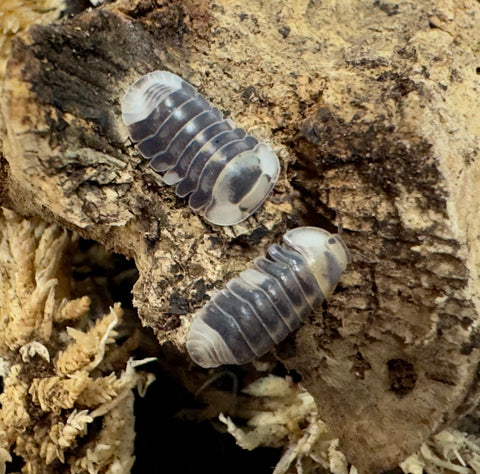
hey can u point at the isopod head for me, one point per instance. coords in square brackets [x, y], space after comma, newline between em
[138, 105]
[326, 254]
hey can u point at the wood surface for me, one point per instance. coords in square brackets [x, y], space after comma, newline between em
[373, 110]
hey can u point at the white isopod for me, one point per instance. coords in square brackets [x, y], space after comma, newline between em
[227, 173]
[268, 300]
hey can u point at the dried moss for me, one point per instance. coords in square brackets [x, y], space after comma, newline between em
[61, 402]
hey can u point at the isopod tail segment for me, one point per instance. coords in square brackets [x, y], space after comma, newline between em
[227, 173]
[268, 300]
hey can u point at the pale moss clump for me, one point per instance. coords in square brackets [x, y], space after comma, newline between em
[285, 416]
[449, 451]
[56, 363]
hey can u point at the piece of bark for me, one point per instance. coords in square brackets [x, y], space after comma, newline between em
[373, 110]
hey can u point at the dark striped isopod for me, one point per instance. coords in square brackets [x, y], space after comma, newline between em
[227, 173]
[268, 300]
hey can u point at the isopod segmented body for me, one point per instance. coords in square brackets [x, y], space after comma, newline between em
[268, 300]
[227, 173]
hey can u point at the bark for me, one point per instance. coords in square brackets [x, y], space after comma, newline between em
[373, 110]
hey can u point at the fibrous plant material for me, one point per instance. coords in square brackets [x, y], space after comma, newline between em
[372, 108]
[56, 382]
[285, 415]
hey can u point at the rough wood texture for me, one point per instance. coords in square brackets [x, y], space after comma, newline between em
[373, 108]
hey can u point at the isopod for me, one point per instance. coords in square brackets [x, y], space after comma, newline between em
[227, 173]
[269, 299]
